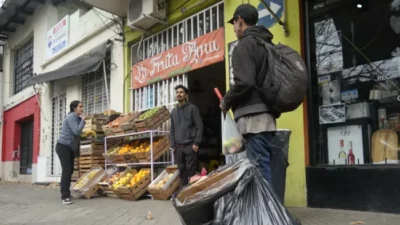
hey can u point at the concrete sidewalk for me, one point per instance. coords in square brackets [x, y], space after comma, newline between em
[34, 205]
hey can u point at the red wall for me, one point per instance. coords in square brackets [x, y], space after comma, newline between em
[26, 110]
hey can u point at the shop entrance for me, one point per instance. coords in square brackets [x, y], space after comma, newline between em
[26, 147]
[201, 84]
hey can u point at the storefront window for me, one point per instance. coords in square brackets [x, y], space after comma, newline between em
[354, 60]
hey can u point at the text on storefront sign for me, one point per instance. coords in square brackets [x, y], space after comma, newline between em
[202, 51]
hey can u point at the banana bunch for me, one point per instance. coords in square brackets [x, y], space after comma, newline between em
[89, 133]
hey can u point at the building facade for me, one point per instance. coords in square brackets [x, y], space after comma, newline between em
[197, 24]
[55, 54]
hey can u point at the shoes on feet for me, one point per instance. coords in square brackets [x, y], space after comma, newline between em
[66, 201]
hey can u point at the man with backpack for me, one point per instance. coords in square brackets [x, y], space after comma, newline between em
[261, 88]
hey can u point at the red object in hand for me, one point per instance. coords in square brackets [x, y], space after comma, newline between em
[218, 93]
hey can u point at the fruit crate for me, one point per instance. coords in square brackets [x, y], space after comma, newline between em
[134, 192]
[128, 121]
[95, 123]
[164, 185]
[87, 185]
[123, 175]
[134, 189]
[157, 147]
[155, 120]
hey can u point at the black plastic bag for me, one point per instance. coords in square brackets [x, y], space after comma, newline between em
[198, 209]
[252, 203]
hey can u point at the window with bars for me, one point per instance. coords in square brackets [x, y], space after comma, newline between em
[163, 93]
[59, 113]
[23, 66]
[94, 91]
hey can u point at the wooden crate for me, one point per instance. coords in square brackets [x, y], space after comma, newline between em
[133, 197]
[91, 161]
[156, 149]
[154, 121]
[168, 189]
[92, 150]
[107, 189]
[204, 184]
[92, 189]
[88, 162]
[128, 121]
[137, 187]
[135, 192]
[95, 123]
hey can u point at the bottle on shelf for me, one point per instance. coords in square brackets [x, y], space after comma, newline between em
[342, 154]
[350, 157]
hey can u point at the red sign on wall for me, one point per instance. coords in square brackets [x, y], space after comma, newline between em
[200, 52]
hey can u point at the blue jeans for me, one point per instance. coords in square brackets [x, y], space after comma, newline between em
[258, 149]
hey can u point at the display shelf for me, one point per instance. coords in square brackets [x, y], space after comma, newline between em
[151, 134]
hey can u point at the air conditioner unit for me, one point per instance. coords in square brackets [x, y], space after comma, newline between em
[144, 14]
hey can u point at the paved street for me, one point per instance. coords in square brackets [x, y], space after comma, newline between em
[34, 205]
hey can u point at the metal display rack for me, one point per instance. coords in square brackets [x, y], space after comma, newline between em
[137, 136]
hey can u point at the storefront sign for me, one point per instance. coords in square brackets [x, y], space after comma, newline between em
[58, 37]
[200, 52]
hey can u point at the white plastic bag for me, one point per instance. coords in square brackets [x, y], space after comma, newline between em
[232, 140]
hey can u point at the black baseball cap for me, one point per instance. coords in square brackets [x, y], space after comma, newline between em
[245, 11]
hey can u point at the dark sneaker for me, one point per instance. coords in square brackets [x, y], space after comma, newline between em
[66, 201]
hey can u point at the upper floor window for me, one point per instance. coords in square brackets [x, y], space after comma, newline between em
[23, 66]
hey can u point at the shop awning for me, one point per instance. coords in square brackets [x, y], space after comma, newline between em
[89, 62]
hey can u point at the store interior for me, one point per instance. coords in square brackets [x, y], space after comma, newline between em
[201, 84]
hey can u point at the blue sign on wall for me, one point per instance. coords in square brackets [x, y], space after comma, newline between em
[264, 17]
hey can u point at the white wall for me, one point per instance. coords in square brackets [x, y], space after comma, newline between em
[87, 30]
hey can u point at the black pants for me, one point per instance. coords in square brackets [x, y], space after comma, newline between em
[67, 157]
[186, 158]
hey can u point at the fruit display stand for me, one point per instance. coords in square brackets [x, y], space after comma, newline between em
[152, 119]
[132, 184]
[164, 185]
[87, 185]
[154, 160]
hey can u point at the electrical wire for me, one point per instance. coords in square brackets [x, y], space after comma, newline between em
[116, 32]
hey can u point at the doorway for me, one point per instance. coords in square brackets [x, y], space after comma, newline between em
[201, 84]
[26, 147]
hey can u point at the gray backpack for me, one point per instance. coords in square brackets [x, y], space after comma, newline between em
[285, 84]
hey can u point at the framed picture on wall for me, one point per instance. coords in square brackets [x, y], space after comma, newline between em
[345, 145]
[332, 114]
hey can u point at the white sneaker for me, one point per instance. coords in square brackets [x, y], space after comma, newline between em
[66, 201]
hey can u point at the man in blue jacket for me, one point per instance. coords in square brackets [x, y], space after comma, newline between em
[186, 134]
